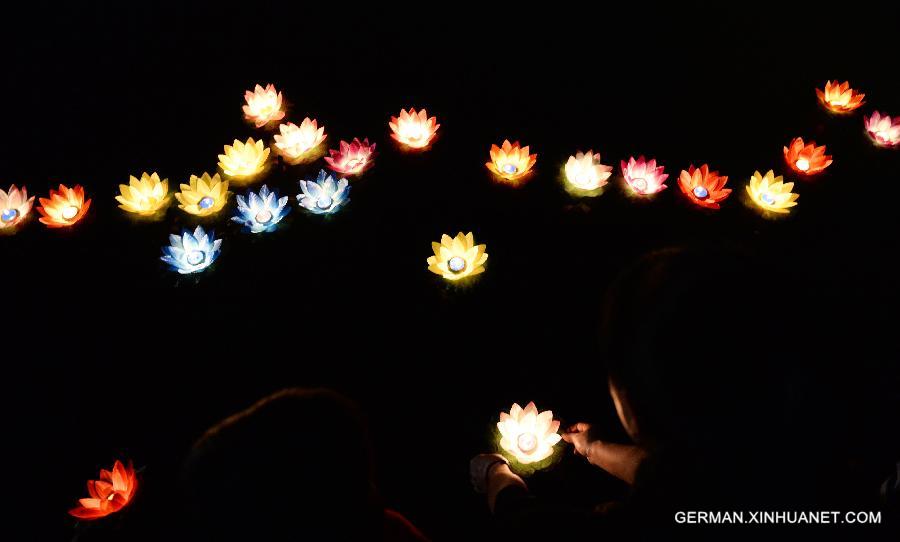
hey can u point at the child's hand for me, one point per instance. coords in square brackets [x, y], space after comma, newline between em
[579, 436]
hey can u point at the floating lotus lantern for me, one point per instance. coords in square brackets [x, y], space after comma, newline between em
[883, 130]
[352, 158]
[585, 172]
[457, 257]
[771, 193]
[297, 143]
[261, 212]
[203, 196]
[840, 98]
[191, 252]
[806, 159]
[704, 187]
[324, 195]
[14, 206]
[144, 196]
[528, 435]
[112, 492]
[415, 130]
[263, 105]
[64, 207]
[510, 162]
[644, 177]
[242, 161]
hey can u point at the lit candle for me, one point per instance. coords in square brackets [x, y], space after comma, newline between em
[510, 162]
[414, 130]
[191, 252]
[770, 193]
[585, 172]
[528, 435]
[456, 258]
[352, 158]
[64, 207]
[144, 196]
[840, 98]
[203, 196]
[807, 159]
[15, 205]
[643, 176]
[883, 130]
[704, 187]
[243, 160]
[264, 105]
[113, 491]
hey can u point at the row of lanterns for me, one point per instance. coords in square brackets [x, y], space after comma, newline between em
[510, 163]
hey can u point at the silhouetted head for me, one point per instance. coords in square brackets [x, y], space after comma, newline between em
[689, 336]
[294, 466]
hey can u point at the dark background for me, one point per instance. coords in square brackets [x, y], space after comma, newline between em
[112, 356]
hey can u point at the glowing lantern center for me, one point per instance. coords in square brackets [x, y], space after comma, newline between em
[356, 164]
[510, 169]
[767, 198]
[196, 257]
[457, 264]
[843, 99]
[882, 134]
[206, 203]
[324, 202]
[527, 443]
[802, 164]
[701, 192]
[263, 217]
[111, 497]
[413, 132]
[9, 215]
[69, 212]
[639, 184]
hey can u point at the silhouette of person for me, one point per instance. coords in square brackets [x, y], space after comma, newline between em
[294, 466]
[689, 371]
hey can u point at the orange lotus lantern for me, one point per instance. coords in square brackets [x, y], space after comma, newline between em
[298, 143]
[414, 130]
[840, 98]
[806, 158]
[112, 492]
[264, 105]
[704, 187]
[510, 162]
[64, 207]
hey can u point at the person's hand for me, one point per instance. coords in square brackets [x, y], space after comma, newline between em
[491, 475]
[480, 468]
[578, 436]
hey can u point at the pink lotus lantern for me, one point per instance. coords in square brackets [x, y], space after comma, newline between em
[352, 158]
[644, 177]
[883, 130]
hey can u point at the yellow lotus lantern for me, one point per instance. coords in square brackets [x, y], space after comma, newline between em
[510, 161]
[415, 130]
[242, 161]
[264, 105]
[771, 193]
[528, 435]
[203, 196]
[457, 257]
[145, 196]
[297, 144]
